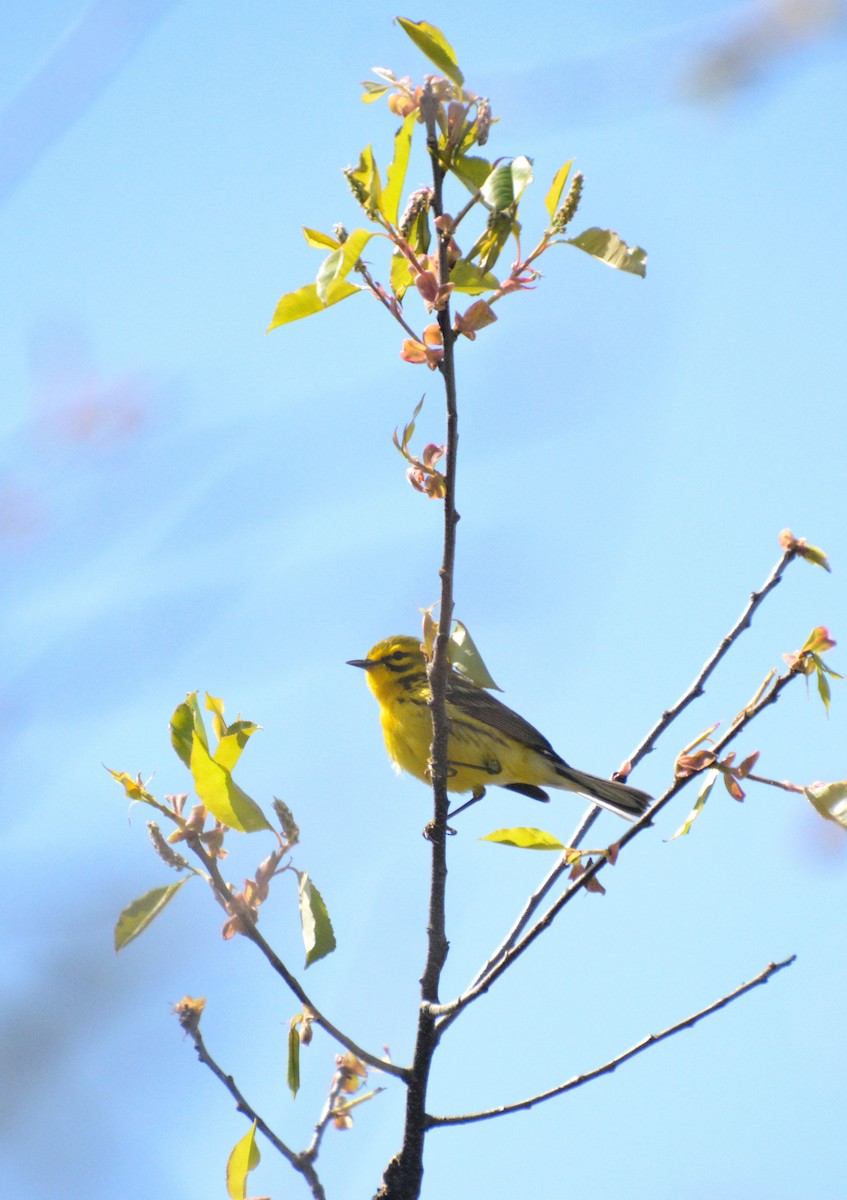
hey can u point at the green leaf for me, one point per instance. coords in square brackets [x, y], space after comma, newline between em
[434, 45]
[400, 278]
[390, 202]
[318, 936]
[506, 184]
[228, 749]
[132, 787]
[182, 732]
[305, 302]
[551, 200]
[338, 265]
[373, 90]
[824, 689]
[365, 183]
[702, 797]
[468, 277]
[197, 718]
[293, 1071]
[320, 241]
[463, 654]
[816, 556]
[221, 795]
[489, 245]
[245, 1157]
[830, 800]
[471, 170]
[142, 912]
[606, 246]
[525, 838]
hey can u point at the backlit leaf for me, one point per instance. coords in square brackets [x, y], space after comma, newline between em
[830, 800]
[334, 270]
[293, 1066]
[606, 246]
[305, 302]
[318, 936]
[464, 656]
[434, 45]
[245, 1157]
[142, 912]
[471, 170]
[525, 838]
[702, 797]
[390, 202]
[507, 183]
[221, 795]
[320, 241]
[551, 200]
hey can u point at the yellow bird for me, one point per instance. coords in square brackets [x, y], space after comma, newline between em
[488, 743]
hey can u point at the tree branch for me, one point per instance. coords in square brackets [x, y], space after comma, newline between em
[403, 1176]
[646, 1043]
[248, 928]
[299, 1162]
[448, 1012]
[697, 688]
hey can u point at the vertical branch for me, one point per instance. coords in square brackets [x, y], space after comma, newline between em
[404, 1175]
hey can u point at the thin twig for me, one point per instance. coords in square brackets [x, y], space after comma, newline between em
[550, 880]
[311, 1151]
[449, 1011]
[299, 1162]
[652, 1039]
[248, 928]
[697, 688]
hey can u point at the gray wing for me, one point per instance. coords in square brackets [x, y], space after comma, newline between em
[480, 705]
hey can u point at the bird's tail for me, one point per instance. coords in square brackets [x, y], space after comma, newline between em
[619, 798]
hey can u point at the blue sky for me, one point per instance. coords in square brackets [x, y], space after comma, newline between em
[190, 504]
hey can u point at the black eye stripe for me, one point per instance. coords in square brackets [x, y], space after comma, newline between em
[398, 661]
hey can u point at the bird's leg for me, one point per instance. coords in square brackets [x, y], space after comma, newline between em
[477, 794]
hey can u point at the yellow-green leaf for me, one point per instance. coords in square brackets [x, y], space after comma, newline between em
[372, 90]
[463, 654]
[434, 45]
[551, 200]
[245, 1157]
[293, 1071]
[233, 741]
[142, 912]
[525, 838]
[182, 732]
[830, 800]
[606, 246]
[471, 170]
[320, 241]
[702, 797]
[506, 184]
[400, 278]
[338, 265]
[468, 277]
[318, 936]
[222, 796]
[815, 555]
[305, 302]
[365, 183]
[389, 204]
[132, 787]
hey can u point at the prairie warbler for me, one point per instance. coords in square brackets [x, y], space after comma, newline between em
[488, 743]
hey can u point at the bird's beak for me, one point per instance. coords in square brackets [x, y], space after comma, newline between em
[364, 663]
